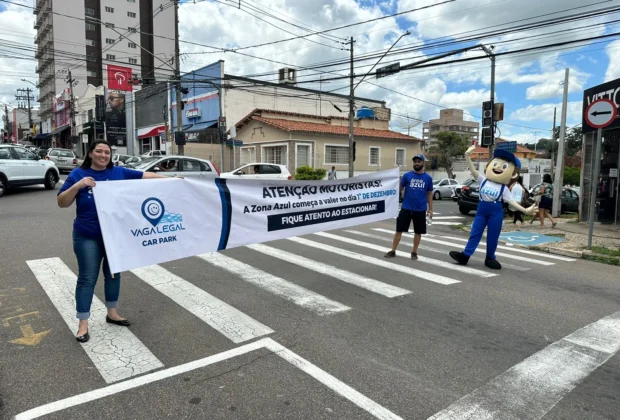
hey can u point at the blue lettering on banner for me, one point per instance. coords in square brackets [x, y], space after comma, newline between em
[313, 217]
[155, 213]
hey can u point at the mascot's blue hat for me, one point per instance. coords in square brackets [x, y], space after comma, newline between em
[507, 156]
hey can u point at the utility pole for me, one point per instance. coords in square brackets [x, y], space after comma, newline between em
[71, 81]
[553, 140]
[351, 112]
[177, 72]
[559, 173]
[489, 52]
[6, 124]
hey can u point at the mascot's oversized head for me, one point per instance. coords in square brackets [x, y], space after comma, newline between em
[503, 168]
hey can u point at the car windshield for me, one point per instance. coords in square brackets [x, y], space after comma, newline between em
[437, 181]
[145, 163]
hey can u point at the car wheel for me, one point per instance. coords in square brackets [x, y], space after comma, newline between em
[3, 185]
[437, 196]
[463, 210]
[50, 180]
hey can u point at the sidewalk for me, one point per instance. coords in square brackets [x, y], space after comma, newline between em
[574, 237]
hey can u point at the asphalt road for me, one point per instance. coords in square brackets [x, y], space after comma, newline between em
[383, 339]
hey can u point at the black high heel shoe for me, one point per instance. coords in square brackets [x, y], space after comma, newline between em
[122, 323]
[83, 338]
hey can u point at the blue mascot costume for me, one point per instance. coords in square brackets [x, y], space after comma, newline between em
[494, 191]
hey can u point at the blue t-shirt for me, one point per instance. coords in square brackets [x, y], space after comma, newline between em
[416, 186]
[86, 220]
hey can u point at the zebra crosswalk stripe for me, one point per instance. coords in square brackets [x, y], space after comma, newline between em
[479, 249]
[430, 249]
[115, 351]
[435, 278]
[232, 323]
[426, 260]
[367, 283]
[276, 285]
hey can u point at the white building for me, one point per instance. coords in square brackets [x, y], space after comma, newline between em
[87, 35]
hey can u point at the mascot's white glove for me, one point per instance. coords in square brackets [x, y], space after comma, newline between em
[469, 151]
[530, 211]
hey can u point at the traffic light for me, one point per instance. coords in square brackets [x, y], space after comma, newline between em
[353, 151]
[487, 113]
[487, 137]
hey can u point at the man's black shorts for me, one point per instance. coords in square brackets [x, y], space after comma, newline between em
[405, 217]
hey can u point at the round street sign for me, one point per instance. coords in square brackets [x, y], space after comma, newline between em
[601, 113]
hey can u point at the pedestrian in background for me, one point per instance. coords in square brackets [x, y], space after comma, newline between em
[87, 238]
[518, 192]
[332, 174]
[417, 204]
[546, 202]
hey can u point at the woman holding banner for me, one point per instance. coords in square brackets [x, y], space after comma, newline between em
[87, 238]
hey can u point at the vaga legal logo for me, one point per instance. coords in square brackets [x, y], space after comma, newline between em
[162, 222]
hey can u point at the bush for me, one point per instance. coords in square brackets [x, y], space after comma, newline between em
[308, 173]
[572, 176]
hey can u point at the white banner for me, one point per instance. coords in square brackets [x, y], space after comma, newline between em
[146, 222]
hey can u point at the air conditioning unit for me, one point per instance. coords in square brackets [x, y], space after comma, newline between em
[288, 76]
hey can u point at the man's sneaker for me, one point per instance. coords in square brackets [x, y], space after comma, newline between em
[390, 254]
[414, 256]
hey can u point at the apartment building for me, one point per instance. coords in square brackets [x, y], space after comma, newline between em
[449, 120]
[85, 36]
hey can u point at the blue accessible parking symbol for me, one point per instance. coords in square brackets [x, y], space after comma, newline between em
[527, 238]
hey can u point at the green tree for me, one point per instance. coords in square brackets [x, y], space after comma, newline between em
[572, 176]
[449, 146]
[572, 144]
[308, 173]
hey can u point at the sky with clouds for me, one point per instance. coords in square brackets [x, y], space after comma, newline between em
[529, 83]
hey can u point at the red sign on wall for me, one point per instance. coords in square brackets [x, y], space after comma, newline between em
[119, 78]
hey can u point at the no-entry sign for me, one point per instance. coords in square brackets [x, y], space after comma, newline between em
[601, 113]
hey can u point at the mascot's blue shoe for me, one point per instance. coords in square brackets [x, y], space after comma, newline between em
[494, 264]
[459, 257]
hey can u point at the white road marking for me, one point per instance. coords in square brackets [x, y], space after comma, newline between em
[438, 263]
[480, 249]
[276, 285]
[445, 224]
[297, 361]
[520, 250]
[445, 217]
[431, 249]
[232, 323]
[530, 389]
[375, 261]
[115, 351]
[329, 270]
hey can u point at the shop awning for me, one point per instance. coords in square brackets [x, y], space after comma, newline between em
[59, 129]
[201, 126]
[41, 136]
[151, 131]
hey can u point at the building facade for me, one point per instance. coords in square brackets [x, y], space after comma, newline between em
[88, 35]
[449, 120]
[294, 140]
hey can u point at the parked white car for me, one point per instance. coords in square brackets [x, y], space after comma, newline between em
[444, 188]
[177, 165]
[125, 160]
[20, 167]
[259, 171]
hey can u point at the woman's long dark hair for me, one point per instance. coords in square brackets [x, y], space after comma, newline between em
[547, 179]
[88, 161]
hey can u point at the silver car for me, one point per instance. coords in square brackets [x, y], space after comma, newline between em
[177, 165]
[444, 188]
[64, 159]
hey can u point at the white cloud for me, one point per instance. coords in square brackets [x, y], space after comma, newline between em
[544, 112]
[613, 69]
[552, 84]
[468, 99]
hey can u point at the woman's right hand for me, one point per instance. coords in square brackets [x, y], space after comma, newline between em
[86, 182]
